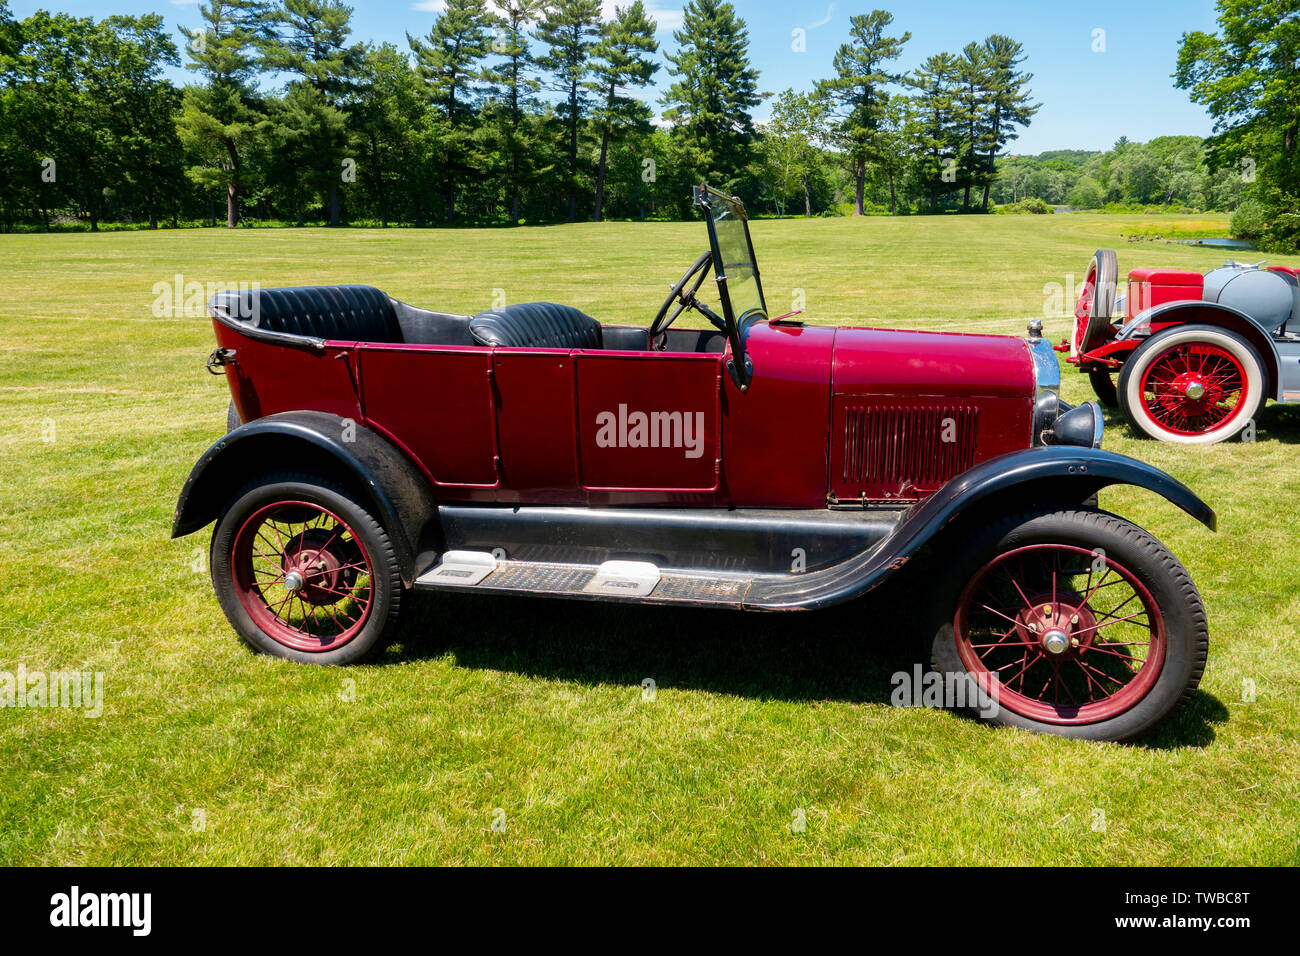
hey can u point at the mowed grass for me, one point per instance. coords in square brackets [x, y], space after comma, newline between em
[532, 711]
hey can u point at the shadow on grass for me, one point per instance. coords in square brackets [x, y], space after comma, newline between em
[847, 653]
[1275, 422]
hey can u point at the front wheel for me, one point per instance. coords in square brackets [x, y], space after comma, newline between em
[1074, 622]
[1192, 384]
[304, 572]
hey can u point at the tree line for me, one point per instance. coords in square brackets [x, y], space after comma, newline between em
[528, 110]
[1167, 172]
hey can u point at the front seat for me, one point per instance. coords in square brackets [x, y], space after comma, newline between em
[538, 325]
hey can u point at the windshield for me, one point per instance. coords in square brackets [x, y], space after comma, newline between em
[733, 257]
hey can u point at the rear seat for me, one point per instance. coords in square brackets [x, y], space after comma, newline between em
[349, 313]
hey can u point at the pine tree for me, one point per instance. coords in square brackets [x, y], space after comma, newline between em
[859, 90]
[449, 63]
[936, 133]
[570, 30]
[709, 105]
[1009, 101]
[621, 61]
[515, 88]
[219, 119]
[311, 42]
[386, 116]
[974, 79]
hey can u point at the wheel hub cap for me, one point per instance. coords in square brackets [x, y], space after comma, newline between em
[293, 581]
[1195, 391]
[1056, 642]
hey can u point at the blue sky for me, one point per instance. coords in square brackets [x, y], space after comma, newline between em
[1090, 96]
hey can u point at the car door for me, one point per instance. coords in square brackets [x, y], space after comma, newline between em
[437, 403]
[648, 421]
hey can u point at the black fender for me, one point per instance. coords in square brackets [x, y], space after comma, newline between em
[1050, 475]
[1223, 316]
[367, 466]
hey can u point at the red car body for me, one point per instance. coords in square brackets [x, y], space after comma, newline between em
[519, 426]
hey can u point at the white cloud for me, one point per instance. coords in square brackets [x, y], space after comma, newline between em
[830, 12]
[424, 6]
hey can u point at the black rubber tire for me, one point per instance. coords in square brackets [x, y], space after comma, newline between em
[232, 418]
[1186, 627]
[1103, 299]
[1146, 352]
[386, 580]
[1103, 386]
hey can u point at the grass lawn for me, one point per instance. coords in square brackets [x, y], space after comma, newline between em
[207, 754]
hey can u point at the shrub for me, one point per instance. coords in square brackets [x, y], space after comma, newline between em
[1250, 221]
[1033, 206]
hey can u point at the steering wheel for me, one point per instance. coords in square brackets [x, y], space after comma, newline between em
[685, 298]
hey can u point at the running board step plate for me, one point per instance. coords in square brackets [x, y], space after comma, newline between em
[633, 578]
[613, 580]
[463, 568]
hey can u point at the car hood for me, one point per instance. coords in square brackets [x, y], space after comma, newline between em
[891, 362]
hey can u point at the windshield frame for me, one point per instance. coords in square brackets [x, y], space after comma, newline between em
[706, 198]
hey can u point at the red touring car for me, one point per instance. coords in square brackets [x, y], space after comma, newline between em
[760, 464]
[1189, 358]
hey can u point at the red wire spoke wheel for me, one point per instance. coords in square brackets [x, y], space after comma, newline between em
[1068, 621]
[1193, 388]
[1066, 636]
[1096, 303]
[303, 575]
[1192, 385]
[304, 572]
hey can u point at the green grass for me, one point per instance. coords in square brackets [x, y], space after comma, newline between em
[533, 706]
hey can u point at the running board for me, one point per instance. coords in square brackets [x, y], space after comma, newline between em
[636, 581]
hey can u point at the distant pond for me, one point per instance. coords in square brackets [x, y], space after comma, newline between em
[1218, 243]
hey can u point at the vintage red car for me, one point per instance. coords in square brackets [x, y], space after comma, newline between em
[761, 464]
[1189, 358]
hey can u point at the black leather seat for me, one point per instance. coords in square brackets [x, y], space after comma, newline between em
[542, 325]
[358, 313]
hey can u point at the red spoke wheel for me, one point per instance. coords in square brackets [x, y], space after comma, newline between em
[1073, 622]
[304, 572]
[302, 575]
[1069, 636]
[1096, 303]
[1192, 385]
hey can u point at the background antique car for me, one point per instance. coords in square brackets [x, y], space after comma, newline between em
[1196, 355]
[761, 464]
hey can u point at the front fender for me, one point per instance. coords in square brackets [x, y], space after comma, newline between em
[1000, 485]
[368, 467]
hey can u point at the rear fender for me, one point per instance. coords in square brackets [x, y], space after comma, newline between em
[369, 468]
[1012, 482]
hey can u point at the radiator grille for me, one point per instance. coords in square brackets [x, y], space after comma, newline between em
[893, 451]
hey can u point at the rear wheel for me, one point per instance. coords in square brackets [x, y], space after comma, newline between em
[1103, 385]
[1075, 622]
[1192, 384]
[304, 572]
